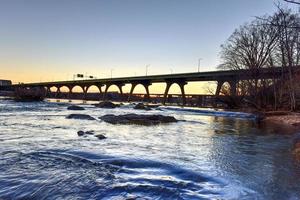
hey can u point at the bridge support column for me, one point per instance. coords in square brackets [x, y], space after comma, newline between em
[47, 91]
[166, 92]
[85, 89]
[219, 86]
[100, 90]
[181, 85]
[133, 85]
[70, 92]
[120, 88]
[233, 90]
[57, 91]
[147, 91]
[105, 91]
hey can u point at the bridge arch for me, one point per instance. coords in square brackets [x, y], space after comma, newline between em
[64, 88]
[181, 84]
[138, 84]
[76, 89]
[53, 88]
[94, 88]
[109, 85]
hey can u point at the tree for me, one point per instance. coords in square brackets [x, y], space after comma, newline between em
[249, 47]
[265, 42]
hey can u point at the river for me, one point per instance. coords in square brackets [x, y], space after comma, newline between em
[209, 155]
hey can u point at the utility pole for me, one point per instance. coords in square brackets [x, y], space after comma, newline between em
[199, 63]
[171, 70]
[147, 66]
[111, 71]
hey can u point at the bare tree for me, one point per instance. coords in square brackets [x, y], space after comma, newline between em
[266, 42]
[249, 47]
[287, 53]
[291, 1]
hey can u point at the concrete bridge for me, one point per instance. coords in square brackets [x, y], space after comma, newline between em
[232, 77]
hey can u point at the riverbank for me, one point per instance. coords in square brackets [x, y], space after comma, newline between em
[283, 118]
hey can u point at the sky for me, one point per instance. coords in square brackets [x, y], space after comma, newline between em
[45, 40]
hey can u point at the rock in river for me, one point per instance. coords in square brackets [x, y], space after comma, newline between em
[100, 137]
[141, 106]
[145, 120]
[74, 107]
[106, 104]
[80, 116]
[82, 133]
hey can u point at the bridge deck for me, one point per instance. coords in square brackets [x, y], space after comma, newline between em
[264, 73]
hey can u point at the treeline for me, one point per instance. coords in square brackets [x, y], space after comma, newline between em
[267, 41]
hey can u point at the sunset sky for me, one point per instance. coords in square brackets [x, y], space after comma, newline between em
[52, 40]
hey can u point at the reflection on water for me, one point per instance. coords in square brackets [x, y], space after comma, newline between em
[207, 156]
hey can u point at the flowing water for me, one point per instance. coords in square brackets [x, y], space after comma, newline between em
[210, 155]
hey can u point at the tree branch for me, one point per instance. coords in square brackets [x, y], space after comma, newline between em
[292, 1]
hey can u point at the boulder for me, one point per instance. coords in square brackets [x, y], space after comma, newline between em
[80, 133]
[106, 104]
[141, 106]
[100, 137]
[89, 132]
[145, 120]
[74, 107]
[80, 116]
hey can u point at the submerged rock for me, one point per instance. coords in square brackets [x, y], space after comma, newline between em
[145, 120]
[84, 133]
[100, 137]
[74, 107]
[80, 116]
[141, 106]
[107, 104]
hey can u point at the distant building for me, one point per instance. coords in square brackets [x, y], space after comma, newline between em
[5, 82]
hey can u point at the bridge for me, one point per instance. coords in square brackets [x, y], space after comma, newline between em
[232, 77]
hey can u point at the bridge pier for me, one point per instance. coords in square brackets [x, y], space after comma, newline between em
[100, 90]
[70, 92]
[181, 84]
[219, 87]
[84, 89]
[47, 91]
[57, 91]
[233, 90]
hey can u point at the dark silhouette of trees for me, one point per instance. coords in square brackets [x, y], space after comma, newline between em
[266, 42]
